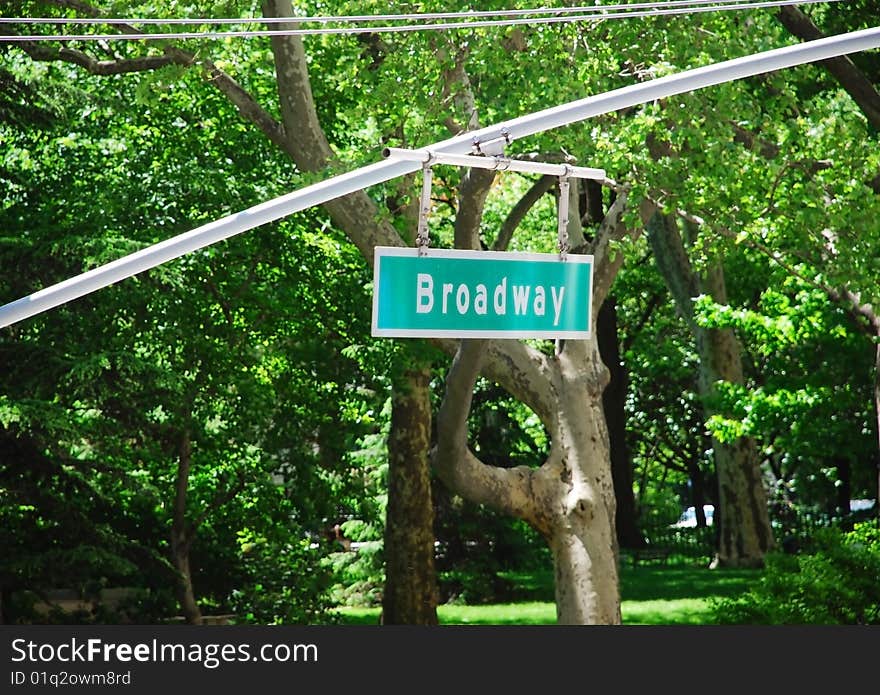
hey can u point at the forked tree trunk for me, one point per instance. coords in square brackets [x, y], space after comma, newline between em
[576, 487]
[410, 595]
[570, 498]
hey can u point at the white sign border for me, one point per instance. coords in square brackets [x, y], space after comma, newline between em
[381, 251]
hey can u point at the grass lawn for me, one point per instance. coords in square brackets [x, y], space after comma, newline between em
[651, 595]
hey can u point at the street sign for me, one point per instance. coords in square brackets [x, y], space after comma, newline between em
[480, 294]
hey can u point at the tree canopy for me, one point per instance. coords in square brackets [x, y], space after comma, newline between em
[208, 421]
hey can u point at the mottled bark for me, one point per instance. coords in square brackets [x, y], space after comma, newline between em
[474, 187]
[410, 596]
[607, 261]
[569, 499]
[745, 535]
[582, 537]
[307, 145]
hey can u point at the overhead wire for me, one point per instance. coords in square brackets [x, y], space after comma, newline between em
[399, 17]
[515, 18]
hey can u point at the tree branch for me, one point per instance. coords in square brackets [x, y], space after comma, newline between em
[524, 372]
[47, 54]
[504, 489]
[300, 135]
[842, 68]
[82, 7]
[864, 315]
[606, 262]
[457, 89]
[219, 501]
[247, 106]
[673, 262]
[653, 303]
[473, 190]
[306, 143]
[520, 210]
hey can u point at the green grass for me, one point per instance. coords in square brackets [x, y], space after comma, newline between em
[526, 613]
[651, 595]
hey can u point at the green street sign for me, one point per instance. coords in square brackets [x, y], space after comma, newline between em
[480, 294]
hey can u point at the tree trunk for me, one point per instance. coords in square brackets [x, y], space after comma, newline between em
[410, 596]
[877, 413]
[745, 535]
[582, 533]
[185, 593]
[570, 498]
[181, 535]
[613, 403]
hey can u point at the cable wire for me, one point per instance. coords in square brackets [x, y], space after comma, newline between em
[325, 19]
[595, 14]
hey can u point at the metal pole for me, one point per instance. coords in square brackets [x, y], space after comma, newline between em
[365, 177]
[430, 157]
[198, 238]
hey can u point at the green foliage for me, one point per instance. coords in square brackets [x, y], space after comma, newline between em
[258, 350]
[281, 582]
[834, 583]
[358, 576]
[237, 346]
[809, 399]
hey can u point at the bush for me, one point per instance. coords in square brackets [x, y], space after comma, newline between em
[283, 583]
[835, 584]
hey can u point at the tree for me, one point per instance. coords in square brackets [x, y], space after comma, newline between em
[856, 80]
[573, 504]
[410, 594]
[745, 535]
[154, 387]
[814, 367]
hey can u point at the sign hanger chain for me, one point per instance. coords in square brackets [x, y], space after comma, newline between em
[422, 240]
[491, 156]
[562, 218]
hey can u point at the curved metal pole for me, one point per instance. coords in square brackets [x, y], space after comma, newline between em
[364, 177]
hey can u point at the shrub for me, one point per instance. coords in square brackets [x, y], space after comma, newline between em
[836, 583]
[283, 583]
